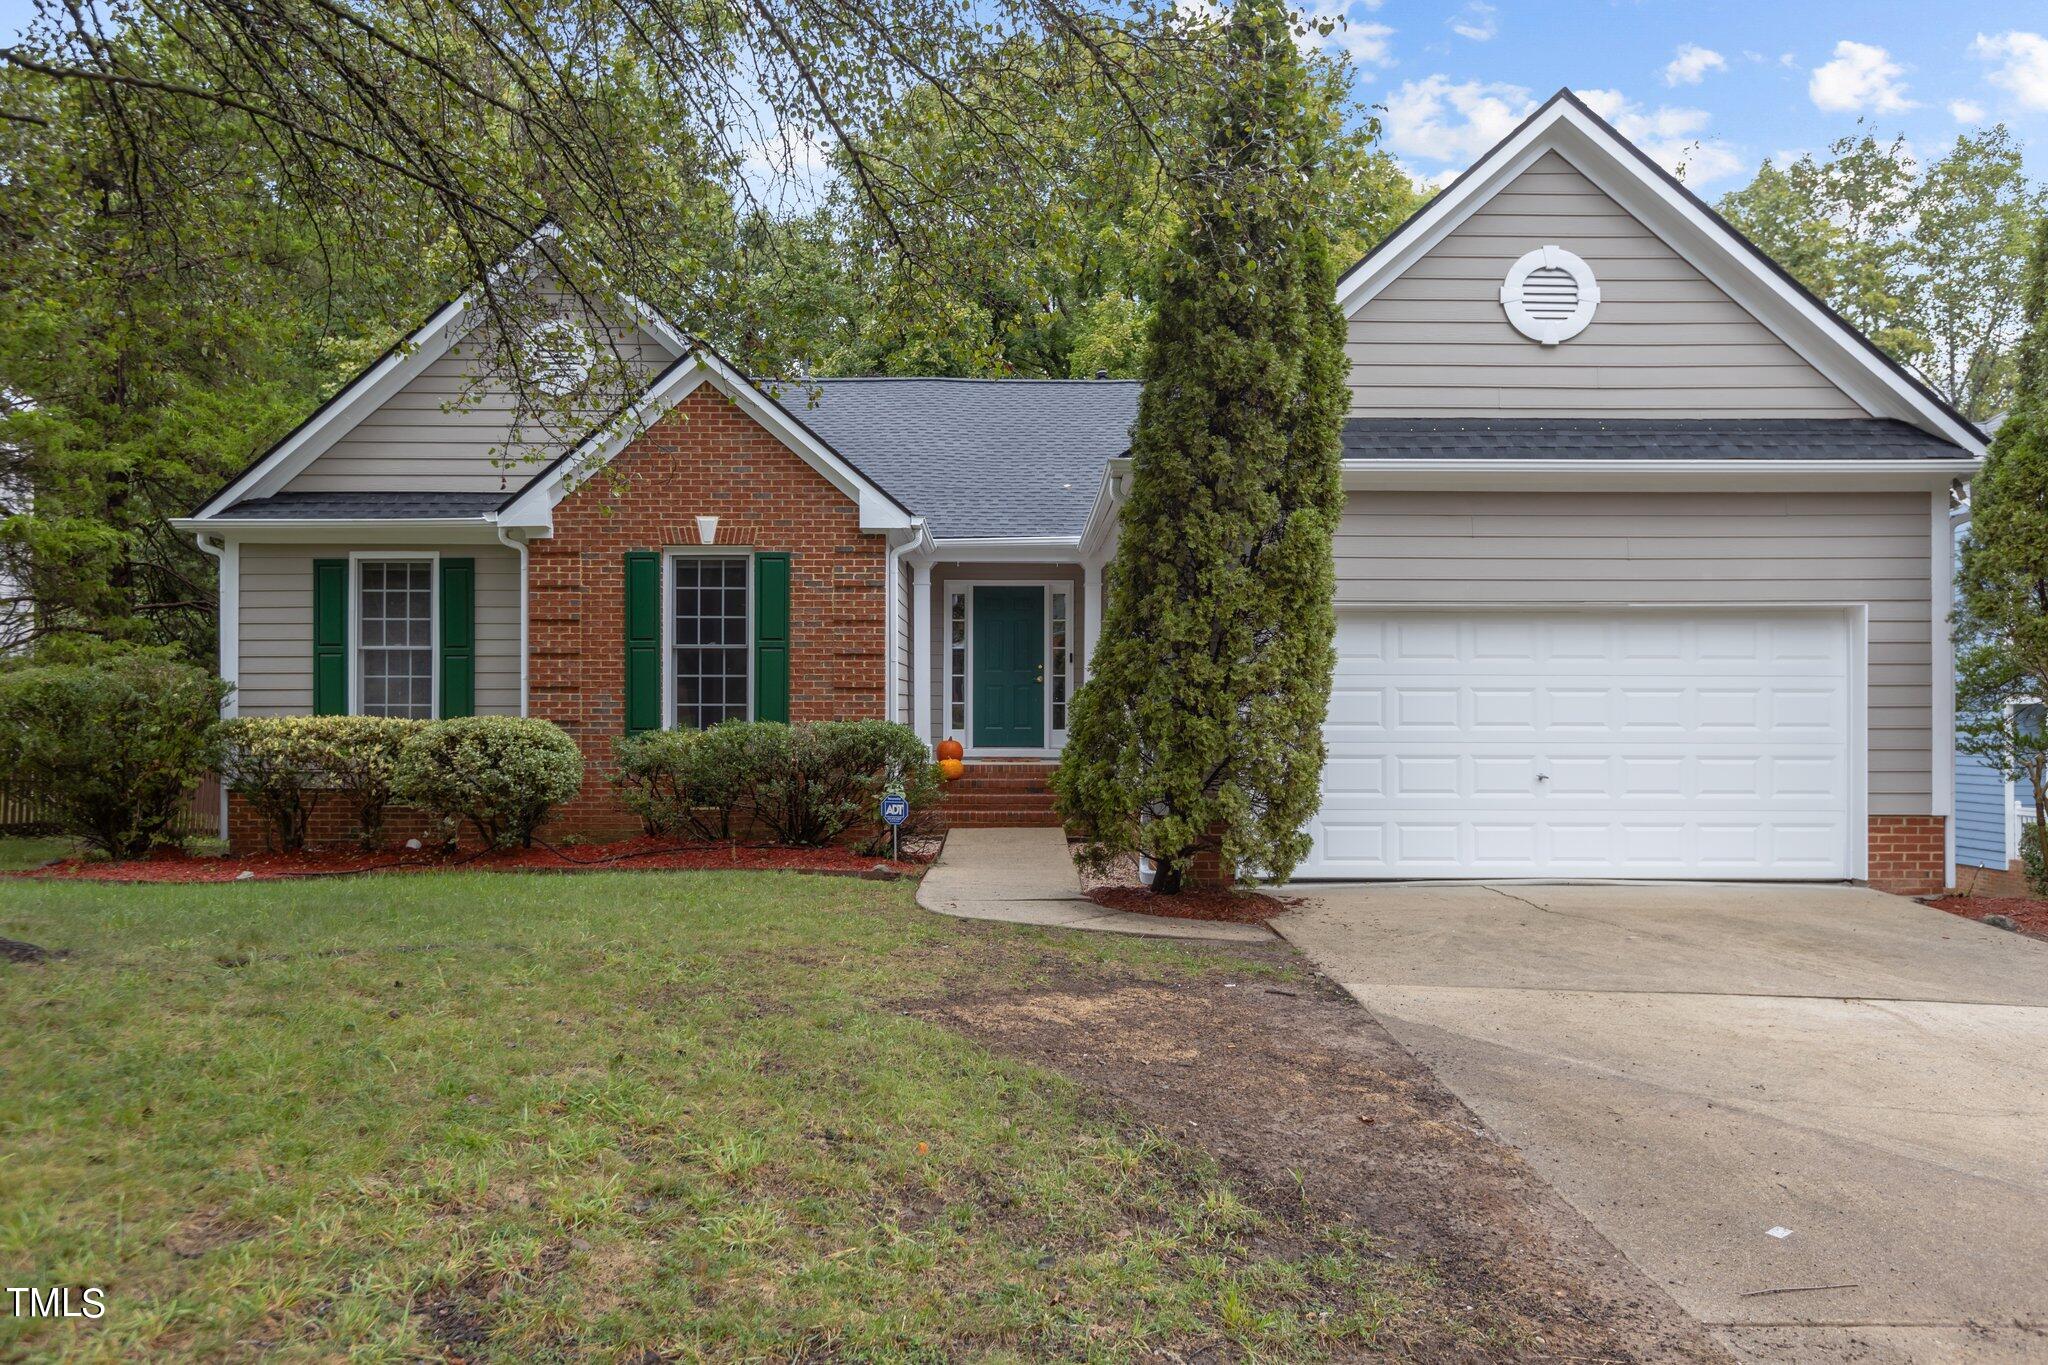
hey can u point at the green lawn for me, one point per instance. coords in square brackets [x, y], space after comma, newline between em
[18, 855]
[549, 1117]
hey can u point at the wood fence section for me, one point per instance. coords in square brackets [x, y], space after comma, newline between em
[26, 813]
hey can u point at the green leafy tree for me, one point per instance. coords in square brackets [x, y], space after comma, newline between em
[2002, 620]
[1200, 727]
[1042, 266]
[1926, 259]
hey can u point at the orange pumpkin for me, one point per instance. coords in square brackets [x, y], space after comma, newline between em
[950, 748]
[950, 768]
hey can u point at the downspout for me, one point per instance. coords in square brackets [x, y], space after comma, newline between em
[518, 547]
[892, 591]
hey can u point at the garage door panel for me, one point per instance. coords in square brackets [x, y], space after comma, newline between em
[1571, 743]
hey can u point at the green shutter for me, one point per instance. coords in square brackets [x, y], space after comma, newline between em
[330, 637]
[458, 637]
[771, 637]
[643, 641]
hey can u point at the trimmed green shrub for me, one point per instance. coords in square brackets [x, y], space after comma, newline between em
[359, 760]
[113, 747]
[682, 781]
[273, 763]
[285, 766]
[502, 774]
[810, 784]
[2031, 860]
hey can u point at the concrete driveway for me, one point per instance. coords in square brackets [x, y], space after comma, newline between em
[1692, 1066]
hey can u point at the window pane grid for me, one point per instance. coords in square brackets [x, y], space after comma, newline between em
[710, 640]
[956, 665]
[395, 637]
[1059, 661]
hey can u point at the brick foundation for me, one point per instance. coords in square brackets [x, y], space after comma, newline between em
[1907, 854]
[704, 458]
[1992, 881]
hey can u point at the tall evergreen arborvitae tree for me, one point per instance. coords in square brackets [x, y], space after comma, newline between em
[2002, 620]
[1199, 728]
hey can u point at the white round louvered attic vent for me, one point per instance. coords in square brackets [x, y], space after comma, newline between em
[1550, 295]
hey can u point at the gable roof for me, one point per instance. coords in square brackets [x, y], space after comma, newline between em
[399, 364]
[1565, 125]
[979, 457]
[532, 505]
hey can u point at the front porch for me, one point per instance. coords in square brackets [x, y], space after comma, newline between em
[999, 649]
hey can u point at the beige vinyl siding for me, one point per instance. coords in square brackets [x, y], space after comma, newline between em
[946, 575]
[1673, 549]
[276, 666]
[438, 433]
[1664, 342]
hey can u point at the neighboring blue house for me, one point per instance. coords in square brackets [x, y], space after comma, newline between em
[1989, 807]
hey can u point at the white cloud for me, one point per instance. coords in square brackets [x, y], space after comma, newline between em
[1691, 63]
[1861, 78]
[2024, 70]
[1966, 111]
[1436, 119]
[1367, 43]
[1477, 21]
[1673, 136]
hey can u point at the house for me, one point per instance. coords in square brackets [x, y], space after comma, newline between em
[1992, 809]
[1644, 570]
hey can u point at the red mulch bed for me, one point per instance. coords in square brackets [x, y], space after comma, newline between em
[1234, 907]
[638, 854]
[2029, 914]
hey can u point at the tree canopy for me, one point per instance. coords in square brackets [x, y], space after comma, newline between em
[1199, 728]
[1926, 259]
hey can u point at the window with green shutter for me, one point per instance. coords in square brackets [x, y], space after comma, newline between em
[330, 637]
[643, 641]
[458, 637]
[771, 636]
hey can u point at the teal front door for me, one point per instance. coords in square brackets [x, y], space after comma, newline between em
[1009, 668]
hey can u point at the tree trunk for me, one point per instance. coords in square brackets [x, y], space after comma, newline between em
[1168, 876]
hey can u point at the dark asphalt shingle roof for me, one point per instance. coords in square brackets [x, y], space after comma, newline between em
[366, 506]
[1544, 438]
[977, 457]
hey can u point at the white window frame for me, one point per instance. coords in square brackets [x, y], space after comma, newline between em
[1055, 740]
[2018, 813]
[356, 560]
[669, 557]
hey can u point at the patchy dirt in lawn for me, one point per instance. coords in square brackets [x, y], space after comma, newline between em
[2028, 914]
[1302, 1096]
[642, 854]
[14, 950]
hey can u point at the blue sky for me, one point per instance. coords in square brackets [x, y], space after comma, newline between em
[1718, 86]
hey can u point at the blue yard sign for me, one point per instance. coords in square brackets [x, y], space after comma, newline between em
[895, 809]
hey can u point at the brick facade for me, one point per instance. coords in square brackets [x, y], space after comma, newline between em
[1907, 854]
[705, 457]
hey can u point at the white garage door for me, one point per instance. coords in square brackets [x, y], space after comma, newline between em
[1564, 744]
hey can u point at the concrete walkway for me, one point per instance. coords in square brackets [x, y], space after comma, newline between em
[1025, 876]
[1697, 1066]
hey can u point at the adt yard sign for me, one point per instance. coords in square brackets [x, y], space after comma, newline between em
[895, 810]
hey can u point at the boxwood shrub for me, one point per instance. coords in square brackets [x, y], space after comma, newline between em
[112, 747]
[501, 774]
[285, 767]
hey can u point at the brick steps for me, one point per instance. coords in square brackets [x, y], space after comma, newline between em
[1014, 795]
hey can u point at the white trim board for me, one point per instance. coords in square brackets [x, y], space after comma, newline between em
[1566, 126]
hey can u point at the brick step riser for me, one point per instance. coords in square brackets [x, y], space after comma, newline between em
[999, 820]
